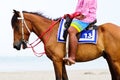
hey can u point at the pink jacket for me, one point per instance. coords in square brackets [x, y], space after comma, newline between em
[88, 9]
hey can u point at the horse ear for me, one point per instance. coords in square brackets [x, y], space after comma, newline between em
[16, 12]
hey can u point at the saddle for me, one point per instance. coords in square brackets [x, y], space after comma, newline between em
[91, 26]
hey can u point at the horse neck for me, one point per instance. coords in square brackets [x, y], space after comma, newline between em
[39, 24]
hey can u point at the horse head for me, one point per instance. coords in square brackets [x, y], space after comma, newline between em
[20, 30]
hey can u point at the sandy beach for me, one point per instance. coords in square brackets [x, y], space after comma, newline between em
[49, 75]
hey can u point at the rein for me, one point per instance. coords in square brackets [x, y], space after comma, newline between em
[32, 45]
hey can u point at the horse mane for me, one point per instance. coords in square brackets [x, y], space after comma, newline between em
[37, 13]
[42, 15]
[16, 15]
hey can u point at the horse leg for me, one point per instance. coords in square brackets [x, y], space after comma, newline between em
[111, 68]
[114, 68]
[60, 71]
[64, 73]
[117, 69]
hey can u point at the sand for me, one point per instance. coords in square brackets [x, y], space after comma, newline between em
[49, 75]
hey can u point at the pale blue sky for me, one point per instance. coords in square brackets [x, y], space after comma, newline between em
[108, 11]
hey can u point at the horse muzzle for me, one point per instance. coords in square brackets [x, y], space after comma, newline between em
[18, 45]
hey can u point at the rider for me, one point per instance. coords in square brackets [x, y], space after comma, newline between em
[85, 13]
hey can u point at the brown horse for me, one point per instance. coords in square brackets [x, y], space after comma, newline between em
[108, 42]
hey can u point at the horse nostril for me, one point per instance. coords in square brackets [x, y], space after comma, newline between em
[17, 46]
[24, 44]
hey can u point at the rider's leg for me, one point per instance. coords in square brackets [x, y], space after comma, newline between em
[72, 44]
[75, 27]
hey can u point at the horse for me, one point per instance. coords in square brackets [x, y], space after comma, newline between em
[107, 46]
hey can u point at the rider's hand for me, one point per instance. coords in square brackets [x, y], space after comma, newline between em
[80, 17]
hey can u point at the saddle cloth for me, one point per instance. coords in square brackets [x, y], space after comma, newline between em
[86, 36]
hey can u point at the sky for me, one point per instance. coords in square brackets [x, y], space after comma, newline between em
[107, 11]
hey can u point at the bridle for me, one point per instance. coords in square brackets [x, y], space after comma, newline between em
[24, 42]
[32, 45]
[23, 23]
